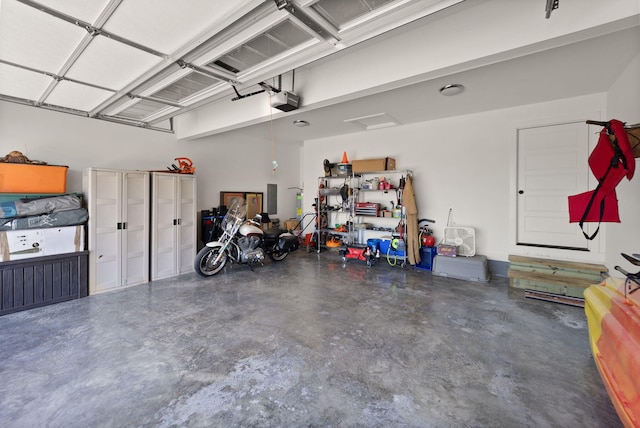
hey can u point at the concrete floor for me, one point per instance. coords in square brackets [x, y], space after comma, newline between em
[305, 342]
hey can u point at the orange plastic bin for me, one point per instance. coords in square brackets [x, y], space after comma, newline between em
[26, 178]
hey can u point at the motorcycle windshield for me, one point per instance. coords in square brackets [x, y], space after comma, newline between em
[235, 214]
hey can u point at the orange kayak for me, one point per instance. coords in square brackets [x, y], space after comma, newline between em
[614, 333]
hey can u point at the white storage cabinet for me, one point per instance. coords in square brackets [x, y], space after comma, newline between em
[173, 224]
[118, 227]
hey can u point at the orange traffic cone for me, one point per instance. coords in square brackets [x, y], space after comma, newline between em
[344, 157]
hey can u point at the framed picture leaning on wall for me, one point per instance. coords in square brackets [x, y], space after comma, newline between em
[228, 198]
[254, 201]
[254, 204]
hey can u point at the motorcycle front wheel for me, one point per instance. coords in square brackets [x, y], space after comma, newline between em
[204, 262]
[278, 256]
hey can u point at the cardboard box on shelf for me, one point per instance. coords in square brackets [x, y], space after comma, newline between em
[292, 224]
[26, 178]
[368, 165]
[24, 244]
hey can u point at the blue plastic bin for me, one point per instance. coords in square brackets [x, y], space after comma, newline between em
[427, 254]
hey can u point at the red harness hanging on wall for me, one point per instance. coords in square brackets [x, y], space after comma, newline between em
[611, 160]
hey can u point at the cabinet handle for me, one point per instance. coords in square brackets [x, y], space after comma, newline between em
[175, 221]
[118, 226]
[124, 225]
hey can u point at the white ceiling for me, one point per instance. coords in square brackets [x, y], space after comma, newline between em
[141, 62]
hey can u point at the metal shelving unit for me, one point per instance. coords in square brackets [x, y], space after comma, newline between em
[335, 206]
[382, 226]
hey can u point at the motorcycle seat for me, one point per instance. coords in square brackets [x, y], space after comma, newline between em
[273, 232]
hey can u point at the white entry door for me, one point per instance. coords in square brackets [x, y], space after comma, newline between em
[552, 164]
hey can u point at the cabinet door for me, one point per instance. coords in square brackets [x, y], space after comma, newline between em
[186, 214]
[135, 232]
[103, 194]
[164, 221]
[118, 204]
[173, 214]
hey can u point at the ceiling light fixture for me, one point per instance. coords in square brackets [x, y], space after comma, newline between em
[453, 89]
[300, 123]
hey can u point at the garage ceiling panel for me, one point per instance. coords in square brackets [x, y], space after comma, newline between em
[111, 64]
[339, 12]
[186, 87]
[34, 39]
[153, 59]
[87, 11]
[21, 83]
[274, 41]
[142, 109]
[76, 96]
[166, 25]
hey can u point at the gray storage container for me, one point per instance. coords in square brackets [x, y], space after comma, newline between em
[474, 268]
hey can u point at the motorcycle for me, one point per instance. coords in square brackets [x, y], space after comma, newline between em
[244, 242]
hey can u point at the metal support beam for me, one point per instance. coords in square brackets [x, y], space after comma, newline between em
[155, 100]
[84, 114]
[207, 72]
[55, 77]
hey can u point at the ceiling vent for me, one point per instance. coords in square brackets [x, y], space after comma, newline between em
[374, 121]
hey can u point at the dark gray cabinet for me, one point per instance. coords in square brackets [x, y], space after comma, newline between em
[40, 281]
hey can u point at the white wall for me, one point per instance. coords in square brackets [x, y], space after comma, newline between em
[80, 142]
[624, 105]
[222, 163]
[462, 163]
[232, 162]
